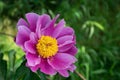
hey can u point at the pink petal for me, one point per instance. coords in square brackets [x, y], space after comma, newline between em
[72, 68]
[64, 39]
[74, 39]
[22, 35]
[63, 73]
[33, 37]
[33, 68]
[61, 61]
[32, 20]
[38, 31]
[43, 20]
[66, 31]
[58, 28]
[46, 68]
[48, 30]
[33, 59]
[65, 46]
[30, 47]
[22, 22]
[73, 50]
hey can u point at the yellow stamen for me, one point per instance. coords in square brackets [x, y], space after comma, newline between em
[47, 46]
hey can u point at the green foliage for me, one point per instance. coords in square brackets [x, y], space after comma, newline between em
[97, 27]
[23, 73]
[3, 68]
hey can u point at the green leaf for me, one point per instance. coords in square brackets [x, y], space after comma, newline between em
[11, 56]
[91, 24]
[91, 32]
[3, 68]
[21, 72]
[98, 25]
[42, 75]
[11, 63]
[32, 76]
[24, 73]
[99, 71]
[1, 6]
[59, 77]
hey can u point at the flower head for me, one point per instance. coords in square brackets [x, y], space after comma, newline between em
[49, 46]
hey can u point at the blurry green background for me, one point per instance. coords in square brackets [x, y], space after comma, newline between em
[97, 28]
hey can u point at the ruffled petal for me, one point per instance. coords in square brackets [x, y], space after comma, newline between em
[22, 22]
[72, 68]
[63, 73]
[66, 31]
[33, 37]
[73, 50]
[30, 47]
[33, 68]
[33, 59]
[63, 39]
[61, 61]
[22, 35]
[74, 39]
[32, 20]
[38, 31]
[43, 20]
[65, 46]
[46, 68]
[48, 30]
[58, 28]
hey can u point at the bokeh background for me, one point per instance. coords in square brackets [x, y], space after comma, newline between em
[97, 28]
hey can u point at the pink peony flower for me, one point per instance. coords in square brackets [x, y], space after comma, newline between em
[49, 47]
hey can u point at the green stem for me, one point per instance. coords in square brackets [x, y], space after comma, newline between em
[80, 75]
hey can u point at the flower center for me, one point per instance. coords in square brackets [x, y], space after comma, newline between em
[47, 46]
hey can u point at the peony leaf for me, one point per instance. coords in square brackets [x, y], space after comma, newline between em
[3, 68]
[23, 73]
[42, 75]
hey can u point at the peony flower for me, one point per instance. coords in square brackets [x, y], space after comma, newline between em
[49, 47]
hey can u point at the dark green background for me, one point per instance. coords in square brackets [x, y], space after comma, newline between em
[97, 28]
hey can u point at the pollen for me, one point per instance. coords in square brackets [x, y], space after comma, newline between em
[47, 46]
